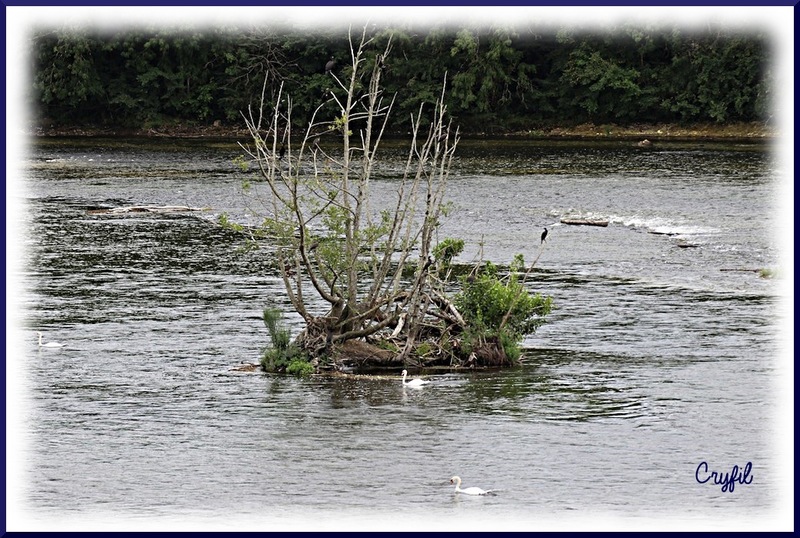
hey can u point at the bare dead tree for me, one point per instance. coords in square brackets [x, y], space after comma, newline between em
[333, 247]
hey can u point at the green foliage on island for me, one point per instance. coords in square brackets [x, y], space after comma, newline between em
[499, 310]
[283, 355]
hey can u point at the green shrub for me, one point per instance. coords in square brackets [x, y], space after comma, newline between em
[283, 355]
[500, 310]
[448, 249]
[300, 367]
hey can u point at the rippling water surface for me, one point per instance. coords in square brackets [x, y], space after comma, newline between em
[662, 351]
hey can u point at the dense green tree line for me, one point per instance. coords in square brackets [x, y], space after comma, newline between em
[499, 78]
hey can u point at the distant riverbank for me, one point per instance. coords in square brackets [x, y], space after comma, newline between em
[652, 132]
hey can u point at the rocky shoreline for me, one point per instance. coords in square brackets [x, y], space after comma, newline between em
[753, 131]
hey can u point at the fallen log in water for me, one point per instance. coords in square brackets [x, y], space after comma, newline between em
[146, 209]
[584, 222]
[247, 367]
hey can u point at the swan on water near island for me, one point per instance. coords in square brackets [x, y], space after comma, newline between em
[413, 382]
[469, 491]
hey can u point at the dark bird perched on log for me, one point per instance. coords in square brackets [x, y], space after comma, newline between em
[282, 152]
[330, 65]
[544, 234]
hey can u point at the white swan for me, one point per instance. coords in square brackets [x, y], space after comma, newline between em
[469, 491]
[48, 344]
[413, 382]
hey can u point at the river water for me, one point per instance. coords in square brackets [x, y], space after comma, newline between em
[666, 349]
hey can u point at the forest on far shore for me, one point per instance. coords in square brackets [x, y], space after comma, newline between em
[500, 79]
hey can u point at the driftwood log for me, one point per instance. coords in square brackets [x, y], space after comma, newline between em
[146, 209]
[584, 222]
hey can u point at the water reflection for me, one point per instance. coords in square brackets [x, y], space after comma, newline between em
[555, 386]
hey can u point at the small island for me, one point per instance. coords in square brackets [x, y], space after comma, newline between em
[396, 298]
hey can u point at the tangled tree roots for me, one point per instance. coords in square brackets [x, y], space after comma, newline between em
[489, 354]
[360, 355]
[363, 356]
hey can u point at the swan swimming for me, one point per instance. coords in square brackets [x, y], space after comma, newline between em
[413, 382]
[469, 491]
[48, 344]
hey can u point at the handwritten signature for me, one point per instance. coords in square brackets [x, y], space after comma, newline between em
[728, 480]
